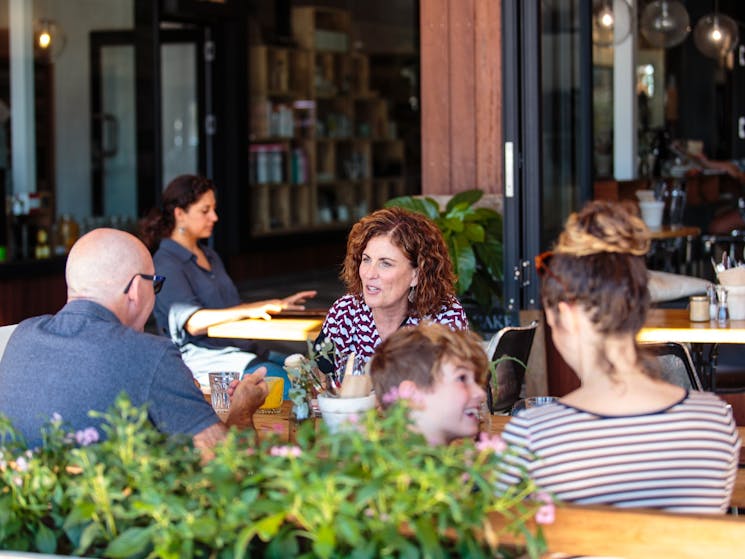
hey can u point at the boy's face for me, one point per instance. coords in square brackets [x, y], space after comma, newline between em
[450, 410]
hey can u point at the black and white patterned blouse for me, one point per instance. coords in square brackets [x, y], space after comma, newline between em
[350, 326]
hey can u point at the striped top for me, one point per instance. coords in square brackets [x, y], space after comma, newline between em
[682, 459]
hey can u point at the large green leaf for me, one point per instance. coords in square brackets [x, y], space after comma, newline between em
[474, 232]
[465, 263]
[129, 542]
[468, 197]
[489, 254]
[454, 224]
[325, 541]
[45, 540]
[426, 206]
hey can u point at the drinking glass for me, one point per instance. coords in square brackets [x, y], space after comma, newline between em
[273, 402]
[219, 383]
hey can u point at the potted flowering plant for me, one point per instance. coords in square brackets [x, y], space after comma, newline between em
[375, 490]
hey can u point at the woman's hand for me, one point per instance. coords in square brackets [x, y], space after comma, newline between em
[296, 302]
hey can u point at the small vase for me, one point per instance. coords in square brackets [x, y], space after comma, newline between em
[300, 411]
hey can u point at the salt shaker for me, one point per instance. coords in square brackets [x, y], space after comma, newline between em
[723, 311]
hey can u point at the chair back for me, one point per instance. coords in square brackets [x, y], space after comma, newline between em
[512, 345]
[675, 363]
[5, 332]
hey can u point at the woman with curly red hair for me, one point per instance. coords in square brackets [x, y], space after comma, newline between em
[397, 272]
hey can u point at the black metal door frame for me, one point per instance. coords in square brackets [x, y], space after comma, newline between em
[522, 109]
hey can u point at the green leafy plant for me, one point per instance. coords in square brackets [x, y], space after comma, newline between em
[375, 489]
[474, 239]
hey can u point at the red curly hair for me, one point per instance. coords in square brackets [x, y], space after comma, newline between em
[421, 242]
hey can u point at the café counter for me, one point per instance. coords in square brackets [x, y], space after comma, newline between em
[31, 287]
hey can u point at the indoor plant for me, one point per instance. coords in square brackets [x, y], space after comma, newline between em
[378, 490]
[474, 239]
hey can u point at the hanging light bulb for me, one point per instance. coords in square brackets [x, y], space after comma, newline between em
[45, 39]
[49, 38]
[716, 35]
[665, 23]
[611, 21]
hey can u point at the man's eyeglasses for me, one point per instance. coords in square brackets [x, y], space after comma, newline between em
[156, 279]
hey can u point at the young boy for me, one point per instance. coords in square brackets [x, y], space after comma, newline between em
[440, 371]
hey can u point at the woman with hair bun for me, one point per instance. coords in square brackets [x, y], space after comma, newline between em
[624, 437]
[199, 292]
[397, 272]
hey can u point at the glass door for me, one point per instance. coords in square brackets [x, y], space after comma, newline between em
[548, 131]
[113, 118]
[113, 154]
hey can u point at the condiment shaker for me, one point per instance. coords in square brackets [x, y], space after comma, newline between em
[723, 311]
[698, 308]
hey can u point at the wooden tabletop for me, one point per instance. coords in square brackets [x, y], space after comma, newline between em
[674, 232]
[673, 325]
[288, 329]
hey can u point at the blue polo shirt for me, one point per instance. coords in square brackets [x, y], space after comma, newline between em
[81, 359]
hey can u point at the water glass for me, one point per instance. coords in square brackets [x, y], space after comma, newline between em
[219, 383]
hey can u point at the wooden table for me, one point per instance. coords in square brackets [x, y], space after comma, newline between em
[673, 325]
[287, 329]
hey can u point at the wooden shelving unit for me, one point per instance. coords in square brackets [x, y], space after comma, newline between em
[324, 151]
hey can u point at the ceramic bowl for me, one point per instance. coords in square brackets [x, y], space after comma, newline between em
[337, 411]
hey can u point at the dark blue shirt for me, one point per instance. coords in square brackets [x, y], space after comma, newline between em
[81, 359]
[189, 288]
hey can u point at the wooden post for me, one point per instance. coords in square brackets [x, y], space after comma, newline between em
[461, 90]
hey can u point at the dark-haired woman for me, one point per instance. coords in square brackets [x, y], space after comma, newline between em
[200, 293]
[624, 437]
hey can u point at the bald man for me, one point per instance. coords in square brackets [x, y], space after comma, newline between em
[84, 356]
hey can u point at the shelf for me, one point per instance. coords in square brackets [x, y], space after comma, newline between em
[314, 116]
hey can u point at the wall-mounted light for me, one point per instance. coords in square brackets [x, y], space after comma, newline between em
[665, 23]
[716, 35]
[611, 21]
[49, 38]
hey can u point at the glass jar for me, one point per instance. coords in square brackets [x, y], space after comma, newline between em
[698, 308]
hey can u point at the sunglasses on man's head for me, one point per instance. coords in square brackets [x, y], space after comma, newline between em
[156, 279]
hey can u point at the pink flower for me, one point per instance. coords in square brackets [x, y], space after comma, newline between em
[391, 396]
[86, 436]
[408, 392]
[491, 442]
[21, 464]
[545, 514]
[17, 480]
[285, 451]
[544, 498]
[465, 477]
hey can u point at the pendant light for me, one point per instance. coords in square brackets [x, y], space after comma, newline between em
[716, 35]
[611, 21]
[665, 23]
[49, 38]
